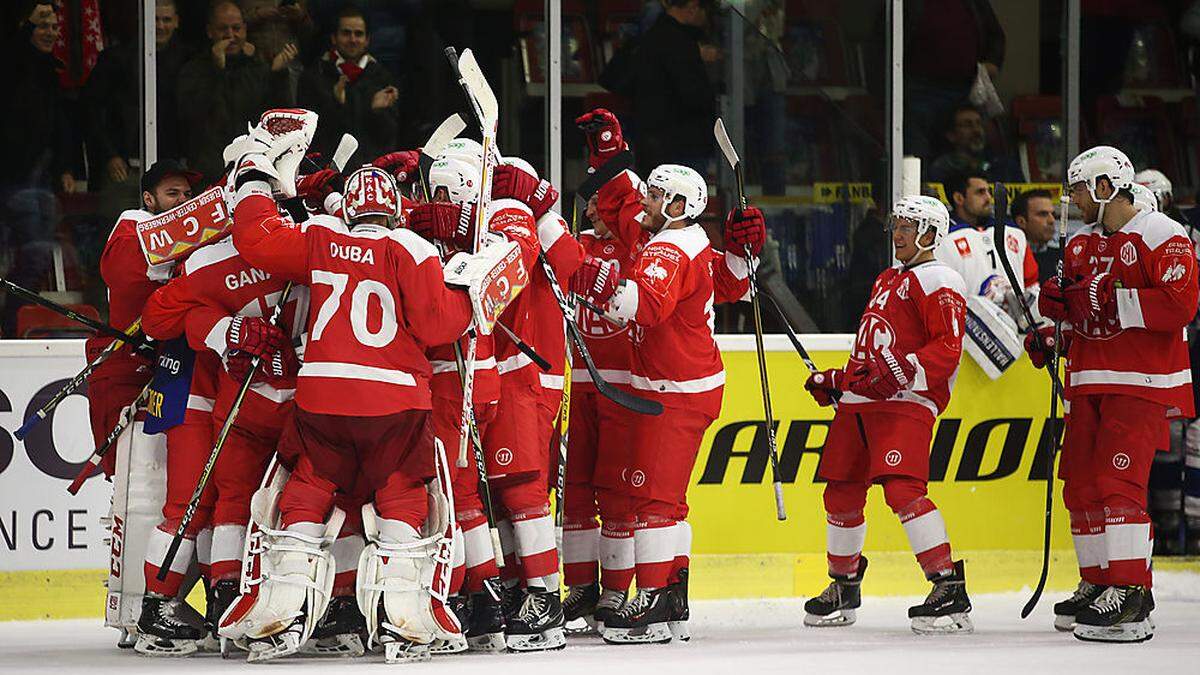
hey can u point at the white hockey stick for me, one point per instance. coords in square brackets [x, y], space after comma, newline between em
[345, 150]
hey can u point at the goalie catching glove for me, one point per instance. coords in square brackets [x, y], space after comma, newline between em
[883, 376]
[273, 150]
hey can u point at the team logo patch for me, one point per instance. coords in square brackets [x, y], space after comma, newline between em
[608, 250]
[892, 458]
[658, 267]
[1077, 249]
[606, 135]
[963, 246]
[1013, 244]
[1121, 461]
[903, 290]
[504, 456]
[1128, 253]
[638, 479]
[1172, 270]
[1102, 246]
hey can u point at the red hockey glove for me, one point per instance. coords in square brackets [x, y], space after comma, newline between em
[596, 280]
[826, 386]
[445, 222]
[402, 164]
[1051, 302]
[884, 376]
[1092, 298]
[603, 133]
[253, 336]
[745, 227]
[510, 182]
[315, 187]
[280, 365]
[1039, 345]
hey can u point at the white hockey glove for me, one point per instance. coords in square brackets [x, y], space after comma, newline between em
[492, 277]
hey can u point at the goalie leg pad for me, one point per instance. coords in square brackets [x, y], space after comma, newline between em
[991, 336]
[139, 490]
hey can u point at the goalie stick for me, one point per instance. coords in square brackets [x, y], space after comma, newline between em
[98, 326]
[123, 422]
[255, 364]
[735, 163]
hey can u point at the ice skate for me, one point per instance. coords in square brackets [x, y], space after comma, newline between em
[607, 606]
[837, 604]
[165, 630]
[644, 619]
[680, 612]
[579, 609]
[1118, 614]
[537, 625]
[277, 645]
[340, 632]
[1065, 611]
[485, 625]
[461, 608]
[946, 609]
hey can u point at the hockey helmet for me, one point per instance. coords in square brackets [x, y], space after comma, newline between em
[1102, 160]
[370, 191]
[460, 179]
[466, 150]
[929, 213]
[1156, 180]
[680, 181]
[1143, 197]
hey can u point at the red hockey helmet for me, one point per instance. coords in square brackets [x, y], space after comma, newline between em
[370, 191]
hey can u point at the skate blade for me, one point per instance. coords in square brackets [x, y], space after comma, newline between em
[273, 647]
[583, 625]
[679, 630]
[488, 642]
[651, 634]
[403, 651]
[148, 645]
[129, 638]
[1064, 622]
[950, 624]
[1124, 632]
[456, 645]
[553, 638]
[210, 645]
[347, 645]
[841, 617]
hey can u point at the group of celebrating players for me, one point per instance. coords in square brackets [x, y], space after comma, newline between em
[358, 504]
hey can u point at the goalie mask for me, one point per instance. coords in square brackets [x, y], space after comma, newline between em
[929, 213]
[459, 178]
[679, 181]
[370, 191]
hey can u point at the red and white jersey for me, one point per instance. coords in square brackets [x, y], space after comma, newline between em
[917, 313]
[216, 285]
[972, 253]
[130, 281]
[378, 301]
[1143, 352]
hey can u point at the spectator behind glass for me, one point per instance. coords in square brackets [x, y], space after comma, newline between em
[968, 151]
[113, 105]
[36, 137]
[352, 92]
[970, 199]
[1033, 212]
[272, 25]
[944, 41]
[225, 87]
[674, 103]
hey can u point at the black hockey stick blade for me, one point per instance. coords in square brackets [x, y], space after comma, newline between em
[525, 349]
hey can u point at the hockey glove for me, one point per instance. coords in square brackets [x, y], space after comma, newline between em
[510, 182]
[1039, 345]
[1092, 298]
[826, 386]
[255, 337]
[315, 187]
[281, 364]
[1051, 302]
[603, 133]
[596, 280]
[745, 227]
[401, 164]
[883, 376]
[445, 222]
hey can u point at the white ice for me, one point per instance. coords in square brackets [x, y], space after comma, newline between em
[747, 637]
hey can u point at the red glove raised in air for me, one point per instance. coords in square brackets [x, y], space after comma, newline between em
[402, 164]
[883, 376]
[596, 280]
[254, 336]
[1051, 302]
[511, 182]
[603, 133]
[445, 222]
[745, 227]
[825, 386]
[315, 187]
[1092, 298]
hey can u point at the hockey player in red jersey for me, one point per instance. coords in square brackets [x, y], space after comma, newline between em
[1127, 291]
[897, 381]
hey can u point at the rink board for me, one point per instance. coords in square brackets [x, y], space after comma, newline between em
[983, 470]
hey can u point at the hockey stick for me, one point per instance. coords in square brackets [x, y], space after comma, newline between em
[92, 462]
[98, 326]
[255, 364]
[472, 80]
[341, 155]
[525, 348]
[447, 131]
[735, 163]
[1056, 389]
[74, 384]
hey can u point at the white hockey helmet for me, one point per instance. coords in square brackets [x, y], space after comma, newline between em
[1143, 197]
[929, 213]
[1102, 160]
[466, 150]
[520, 164]
[1157, 181]
[370, 191]
[680, 181]
[460, 179]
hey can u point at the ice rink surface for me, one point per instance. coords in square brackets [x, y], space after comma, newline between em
[746, 637]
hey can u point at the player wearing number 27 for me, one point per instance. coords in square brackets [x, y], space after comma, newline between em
[898, 379]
